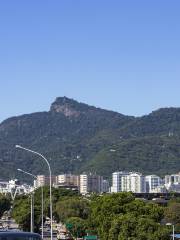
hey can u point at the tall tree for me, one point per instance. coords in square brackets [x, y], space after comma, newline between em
[5, 204]
[72, 207]
[120, 216]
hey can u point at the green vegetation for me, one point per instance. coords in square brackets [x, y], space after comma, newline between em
[91, 139]
[120, 216]
[172, 213]
[77, 226]
[5, 204]
[68, 207]
[21, 207]
[22, 213]
[111, 216]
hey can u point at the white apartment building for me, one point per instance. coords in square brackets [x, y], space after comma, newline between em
[152, 183]
[83, 187]
[119, 181]
[172, 179]
[128, 182]
[90, 183]
[137, 183]
[172, 182]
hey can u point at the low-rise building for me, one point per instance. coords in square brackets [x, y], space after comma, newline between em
[14, 187]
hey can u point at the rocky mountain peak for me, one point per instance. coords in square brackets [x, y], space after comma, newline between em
[67, 106]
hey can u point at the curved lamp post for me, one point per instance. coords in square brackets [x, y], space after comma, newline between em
[42, 204]
[50, 180]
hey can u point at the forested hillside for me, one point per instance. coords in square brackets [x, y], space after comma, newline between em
[76, 137]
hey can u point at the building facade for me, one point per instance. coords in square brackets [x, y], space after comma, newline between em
[152, 183]
[43, 180]
[172, 179]
[137, 183]
[90, 183]
[105, 186]
[128, 182]
[68, 180]
[119, 181]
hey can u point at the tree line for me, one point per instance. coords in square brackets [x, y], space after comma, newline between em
[117, 216]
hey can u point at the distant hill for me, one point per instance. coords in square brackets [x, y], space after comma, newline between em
[76, 137]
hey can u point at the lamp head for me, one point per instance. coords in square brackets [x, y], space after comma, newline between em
[19, 169]
[17, 146]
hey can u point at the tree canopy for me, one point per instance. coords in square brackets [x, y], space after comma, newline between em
[120, 216]
[5, 204]
[111, 216]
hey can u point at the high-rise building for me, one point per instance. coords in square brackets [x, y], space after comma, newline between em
[68, 180]
[90, 183]
[105, 186]
[152, 183]
[83, 186]
[172, 182]
[43, 180]
[119, 181]
[172, 179]
[40, 181]
[138, 183]
[128, 182]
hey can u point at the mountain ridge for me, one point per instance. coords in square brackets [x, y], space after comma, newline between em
[77, 137]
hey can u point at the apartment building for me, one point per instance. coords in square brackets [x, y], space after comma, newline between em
[67, 180]
[90, 183]
[172, 179]
[152, 183]
[105, 186]
[128, 182]
[119, 181]
[137, 183]
[172, 182]
[43, 180]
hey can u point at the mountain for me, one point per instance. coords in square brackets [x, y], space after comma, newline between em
[76, 137]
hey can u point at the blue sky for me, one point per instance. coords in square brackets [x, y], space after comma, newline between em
[118, 55]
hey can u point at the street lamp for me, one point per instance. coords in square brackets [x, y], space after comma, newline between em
[50, 180]
[170, 224]
[42, 205]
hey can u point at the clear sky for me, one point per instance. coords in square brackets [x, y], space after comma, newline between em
[122, 55]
